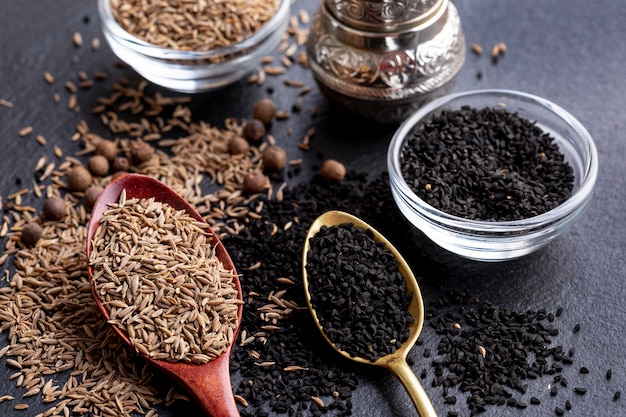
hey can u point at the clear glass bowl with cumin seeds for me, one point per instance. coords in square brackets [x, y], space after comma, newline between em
[187, 64]
[451, 219]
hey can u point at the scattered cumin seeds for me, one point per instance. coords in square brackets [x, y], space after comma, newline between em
[6, 103]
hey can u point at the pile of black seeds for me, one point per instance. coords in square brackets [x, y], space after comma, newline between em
[285, 370]
[486, 164]
[491, 353]
[358, 293]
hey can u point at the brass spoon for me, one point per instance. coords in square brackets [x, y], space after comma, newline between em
[208, 383]
[395, 362]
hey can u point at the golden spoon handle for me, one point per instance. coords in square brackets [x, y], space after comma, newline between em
[413, 387]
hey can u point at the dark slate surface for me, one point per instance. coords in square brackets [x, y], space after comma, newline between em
[568, 51]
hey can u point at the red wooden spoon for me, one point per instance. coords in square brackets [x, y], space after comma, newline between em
[208, 383]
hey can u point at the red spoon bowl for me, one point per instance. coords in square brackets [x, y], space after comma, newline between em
[209, 384]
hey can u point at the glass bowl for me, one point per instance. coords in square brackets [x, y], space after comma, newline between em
[503, 240]
[193, 71]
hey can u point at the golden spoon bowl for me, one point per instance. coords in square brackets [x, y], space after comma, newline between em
[396, 361]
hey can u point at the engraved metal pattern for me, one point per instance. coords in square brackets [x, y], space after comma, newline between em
[382, 11]
[404, 74]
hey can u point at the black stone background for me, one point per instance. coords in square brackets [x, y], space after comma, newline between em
[571, 52]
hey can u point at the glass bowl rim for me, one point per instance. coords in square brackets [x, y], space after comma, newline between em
[110, 25]
[569, 206]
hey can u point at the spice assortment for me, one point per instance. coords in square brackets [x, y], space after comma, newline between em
[156, 272]
[66, 359]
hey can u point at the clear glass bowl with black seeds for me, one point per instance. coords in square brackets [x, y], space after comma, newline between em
[194, 71]
[492, 175]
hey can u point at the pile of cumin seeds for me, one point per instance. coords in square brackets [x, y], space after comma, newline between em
[62, 354]
[357, 291]
[193, 26]
[157, 273]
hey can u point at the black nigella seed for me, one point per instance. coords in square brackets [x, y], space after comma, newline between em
[580, 390]
[576, 328]
[559, 411]
[535, 401]
[584, 370]
[568, 405]
[609, 373]
[453, 413]
[554, 390]
[451, 399]
[485, 164]
[357, 291]
[617, 395]
[564, 381]
[559, 311]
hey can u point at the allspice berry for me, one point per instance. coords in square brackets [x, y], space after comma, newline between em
[264, 110]
[31, 233]
[91, 195]
[107, 148]
[140, 152]
[254, 130]
[120, 163]
[238, 146]
[98, 165]
[333, 171]
[53, 208]
[274, 158]
[79, 178]
[254, 182]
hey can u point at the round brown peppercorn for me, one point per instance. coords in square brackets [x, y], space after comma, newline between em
[333, 171]
[254, 130]
[107, 148]
[98, 165]
[238, 146]
[91, 195]
[31, 233]
[120, 164]
[78, 178]
[254, 182]
[140, 152]
[264, 110]
[274, 158]
[53, 208]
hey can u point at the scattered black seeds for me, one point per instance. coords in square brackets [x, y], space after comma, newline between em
[517, 347]
[617, 395]
[568, 405]
[609, 373]
[559, 311]
[577, 328]
[580, 391]
[564, 381]
[488, 164]
[559, 411]
[452, 413]
[584, 370]
[358, 293]
[554, 390]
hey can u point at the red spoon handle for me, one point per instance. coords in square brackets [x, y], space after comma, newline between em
[209, 384]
